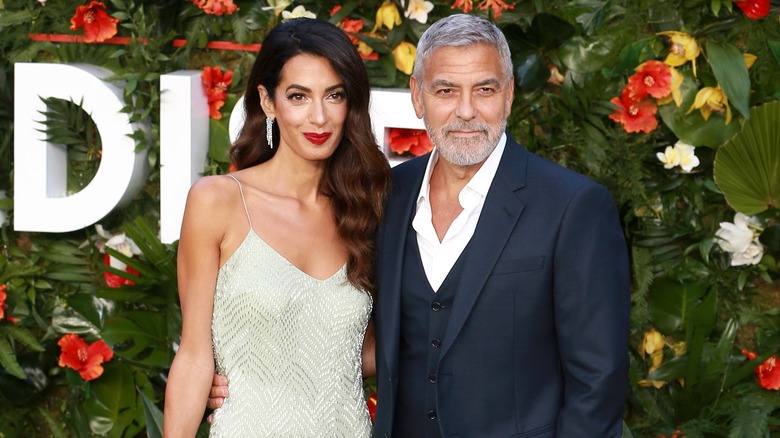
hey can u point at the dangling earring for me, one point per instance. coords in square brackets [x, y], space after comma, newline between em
[269, 131]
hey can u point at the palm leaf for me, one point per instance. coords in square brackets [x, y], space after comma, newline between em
[22, 335]
[747, 167]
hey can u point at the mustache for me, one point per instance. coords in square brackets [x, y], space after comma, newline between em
[464, 126]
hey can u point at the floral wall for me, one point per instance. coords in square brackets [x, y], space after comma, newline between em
[671, 104]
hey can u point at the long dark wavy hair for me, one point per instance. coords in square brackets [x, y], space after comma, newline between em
[357, 175]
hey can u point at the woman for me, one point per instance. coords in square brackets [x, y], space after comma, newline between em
[275, 260]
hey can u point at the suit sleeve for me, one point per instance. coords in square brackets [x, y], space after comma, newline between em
[592, 304]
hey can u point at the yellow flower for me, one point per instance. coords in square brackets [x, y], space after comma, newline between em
[387, 15]
[652, 342]
[684, 48]
[750, 59]
[710, 99]
[404, 55]
[364, 48]
[676, 94]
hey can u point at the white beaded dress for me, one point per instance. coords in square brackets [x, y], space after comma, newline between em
[290, 346]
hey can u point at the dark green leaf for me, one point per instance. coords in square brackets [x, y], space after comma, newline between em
[770, 237]
[730, 70]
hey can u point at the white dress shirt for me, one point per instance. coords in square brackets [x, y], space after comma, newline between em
[438, 257]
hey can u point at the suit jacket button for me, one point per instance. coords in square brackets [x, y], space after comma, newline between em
[435, 343]
[432, 378]
[436, 306]
[432, 414]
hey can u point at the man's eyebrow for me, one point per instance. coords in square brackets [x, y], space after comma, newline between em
[448, 84]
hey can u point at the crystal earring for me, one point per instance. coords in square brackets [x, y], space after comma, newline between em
[269, 131]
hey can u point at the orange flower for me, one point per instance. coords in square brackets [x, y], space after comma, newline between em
[351, 26]
[3, 296]
[768, 373]
[86, 359]
[635, 116]
[98, 25]
[372, 406]
[497, 6]
[652, 78]
[414, 141]
[216, 7]
[216, 83]
[466, 5]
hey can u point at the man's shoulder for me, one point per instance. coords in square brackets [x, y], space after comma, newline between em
[546, 173]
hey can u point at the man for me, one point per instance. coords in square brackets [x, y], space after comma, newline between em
[503, 304]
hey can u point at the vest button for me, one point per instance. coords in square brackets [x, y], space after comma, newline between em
[432, 378]
[432, 414]
[436, 306]
[435, 343]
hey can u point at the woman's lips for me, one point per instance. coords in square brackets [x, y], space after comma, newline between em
[317, 138]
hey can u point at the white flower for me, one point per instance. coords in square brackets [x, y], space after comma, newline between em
[750, 256]
[682, 154]
[740, 240]
[670, 157]
[277, 6]
[688, 158]
[120, 243]
[298, 12]
[42, 2]
[418, 10]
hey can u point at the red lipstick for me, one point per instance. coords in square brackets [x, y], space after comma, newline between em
[317, 138]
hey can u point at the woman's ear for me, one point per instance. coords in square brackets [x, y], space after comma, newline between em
[266, 102]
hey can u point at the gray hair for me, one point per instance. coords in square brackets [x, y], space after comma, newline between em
[461, 30]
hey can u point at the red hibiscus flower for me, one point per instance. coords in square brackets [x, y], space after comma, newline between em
[86, 359]
[98, 25]
[754, 9]
[216, 7]
[216, 83]
[414, 141]
[3, 296]
[113, 280]
[768, 373]
[652, 78]
[635, 116]
[372, 406]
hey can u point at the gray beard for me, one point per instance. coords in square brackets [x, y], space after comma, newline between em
[465, 152]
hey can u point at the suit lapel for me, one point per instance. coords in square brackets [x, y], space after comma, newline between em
[499, 216]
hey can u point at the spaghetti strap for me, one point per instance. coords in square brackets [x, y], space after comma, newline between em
[243, 199]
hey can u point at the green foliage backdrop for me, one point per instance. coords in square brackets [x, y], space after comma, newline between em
[701, 224]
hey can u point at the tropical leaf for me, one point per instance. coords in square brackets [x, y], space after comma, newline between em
[730, 70]
[113, 408]
[8, 359]
[671, 303]
[22, 335]
[747, 167]
[55, 427]
[153, 415]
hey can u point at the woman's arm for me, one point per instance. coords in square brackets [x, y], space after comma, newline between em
[190, 375]
[369, 351]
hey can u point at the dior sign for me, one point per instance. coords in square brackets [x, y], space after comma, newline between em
[41, 201]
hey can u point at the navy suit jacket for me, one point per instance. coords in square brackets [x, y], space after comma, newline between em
[536, 344]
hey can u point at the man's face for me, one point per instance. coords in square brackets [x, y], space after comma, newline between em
[464, 101]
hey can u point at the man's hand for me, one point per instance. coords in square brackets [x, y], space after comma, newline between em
[219, 391]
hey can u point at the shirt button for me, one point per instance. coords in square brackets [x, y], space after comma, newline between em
[436, 306]
[432, 414]
[432, 378]
[435, 343]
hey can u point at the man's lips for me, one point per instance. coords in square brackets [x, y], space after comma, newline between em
[317, 138]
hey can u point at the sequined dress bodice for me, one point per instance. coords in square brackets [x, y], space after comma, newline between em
[290, 346]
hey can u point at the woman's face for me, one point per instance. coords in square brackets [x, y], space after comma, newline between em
[310, 107]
